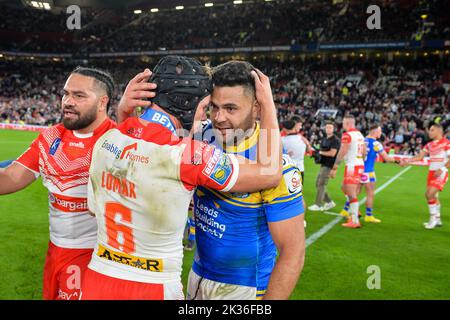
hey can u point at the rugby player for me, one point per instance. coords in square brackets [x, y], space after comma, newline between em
[238, 233]
[143, 177]
[61, 156]
[368, 178]
[353, 151]
[295, 144]
[439, 152]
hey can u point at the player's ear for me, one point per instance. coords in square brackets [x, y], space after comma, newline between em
[256, 108]
[103, 104]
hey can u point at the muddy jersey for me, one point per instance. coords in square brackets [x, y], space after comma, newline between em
[141, 183]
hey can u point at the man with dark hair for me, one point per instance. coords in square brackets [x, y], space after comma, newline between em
[61, 155]
[237, 248]
[143, 176]
[329, 147]
[439, 152]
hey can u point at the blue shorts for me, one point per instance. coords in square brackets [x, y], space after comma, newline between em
[368, 177]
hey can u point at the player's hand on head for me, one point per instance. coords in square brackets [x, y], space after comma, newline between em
[262, 87]
[137, 92]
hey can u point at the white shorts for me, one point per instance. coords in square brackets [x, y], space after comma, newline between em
[199, 288]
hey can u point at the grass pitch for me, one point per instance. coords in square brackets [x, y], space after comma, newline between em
[413, 262]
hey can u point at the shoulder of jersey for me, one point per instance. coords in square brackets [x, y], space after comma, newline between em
[152, 132]
[287, 161]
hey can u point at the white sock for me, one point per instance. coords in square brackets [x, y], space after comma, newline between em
[433, 210]
[438, 211]
[354, 208]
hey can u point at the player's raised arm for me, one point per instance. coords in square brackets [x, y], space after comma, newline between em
[14, 178]
[208, 166]
[135, 95]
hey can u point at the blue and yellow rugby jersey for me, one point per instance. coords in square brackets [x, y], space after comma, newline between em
[234, 244]
[373, 149]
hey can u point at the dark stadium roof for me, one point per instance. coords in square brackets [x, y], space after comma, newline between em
[141, 4]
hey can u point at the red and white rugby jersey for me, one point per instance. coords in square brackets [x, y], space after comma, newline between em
[354, 156]
[439, 152]
[62, 160]
[141, 183]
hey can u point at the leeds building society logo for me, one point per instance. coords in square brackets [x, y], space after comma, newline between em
[127, 152]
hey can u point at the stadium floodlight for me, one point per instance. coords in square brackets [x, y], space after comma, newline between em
[40, 5]
[424, 16]
[209, 4]
[154, 10]
[179, 7]
[137, 11]
[237, 1]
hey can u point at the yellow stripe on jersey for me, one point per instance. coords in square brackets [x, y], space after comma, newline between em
[153, 265]
[252, 201]
[287, 199]
[290, 187]
[247, 143]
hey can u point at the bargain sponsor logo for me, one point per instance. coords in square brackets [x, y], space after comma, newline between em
[67, 204]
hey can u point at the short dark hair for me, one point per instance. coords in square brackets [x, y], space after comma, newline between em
[373, 126]
[329, 123]
[288, 124]
[234, 73]
[437, 125]
[103, 78]
[349, 116]
[296, 119]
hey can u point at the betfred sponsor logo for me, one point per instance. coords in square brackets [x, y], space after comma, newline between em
[127, 152]
[212, 162]
[67, 204]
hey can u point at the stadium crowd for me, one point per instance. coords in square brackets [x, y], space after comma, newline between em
[249, 24]
[404, 97]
